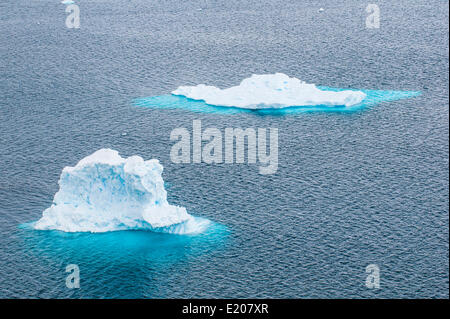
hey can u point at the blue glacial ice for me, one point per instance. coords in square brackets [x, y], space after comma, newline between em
[105, 192]
[276, 94]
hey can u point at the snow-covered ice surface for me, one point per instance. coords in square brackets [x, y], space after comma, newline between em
[270, 91]
[105, 192]
[272, 95]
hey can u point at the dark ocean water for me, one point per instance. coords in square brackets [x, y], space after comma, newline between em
[352, 189]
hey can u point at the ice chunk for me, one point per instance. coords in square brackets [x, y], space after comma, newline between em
[270, 91]
[105, 192]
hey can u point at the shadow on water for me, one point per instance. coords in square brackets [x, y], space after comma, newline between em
[180, 102]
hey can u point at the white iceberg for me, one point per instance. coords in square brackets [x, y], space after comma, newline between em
[67, 2]
[270, 91]
[105, 192]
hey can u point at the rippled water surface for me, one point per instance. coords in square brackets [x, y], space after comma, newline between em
[352, 189]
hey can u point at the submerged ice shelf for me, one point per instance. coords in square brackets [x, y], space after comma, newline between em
[105, 192]
[271, 94]
[270, 91]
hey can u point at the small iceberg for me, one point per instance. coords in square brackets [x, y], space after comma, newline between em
[105, 192]
[67, 2]
[270, 91]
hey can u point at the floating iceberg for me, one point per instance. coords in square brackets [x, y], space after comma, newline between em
[67, 2]
[105, 192]
[270, 91]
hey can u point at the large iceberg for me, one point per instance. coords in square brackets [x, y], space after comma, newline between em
[105, 192]
[270, 91]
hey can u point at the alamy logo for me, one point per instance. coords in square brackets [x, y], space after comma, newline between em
[373, 19]
[219, 149]
[73, 279]
[373, 277]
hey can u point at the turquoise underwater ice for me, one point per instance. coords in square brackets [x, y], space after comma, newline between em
[373, 97]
